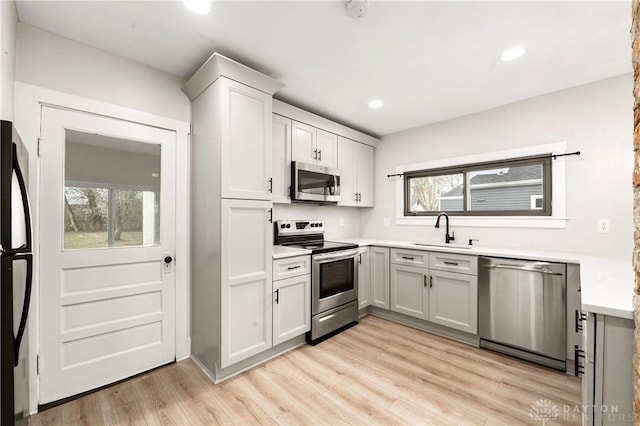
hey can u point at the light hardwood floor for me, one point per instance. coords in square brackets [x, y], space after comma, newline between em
[377, 372]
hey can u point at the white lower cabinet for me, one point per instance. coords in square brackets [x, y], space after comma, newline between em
[364, 277]
[292, 308]
[410, 291]
[380, 276]
[453, 300]
[246, 270]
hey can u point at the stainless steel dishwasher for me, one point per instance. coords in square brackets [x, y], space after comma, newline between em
[522, 309]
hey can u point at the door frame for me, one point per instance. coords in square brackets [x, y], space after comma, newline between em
[29, 101]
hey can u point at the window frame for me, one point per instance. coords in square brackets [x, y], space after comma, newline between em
[544, 160]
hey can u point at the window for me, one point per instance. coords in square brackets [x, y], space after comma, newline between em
[516, 187]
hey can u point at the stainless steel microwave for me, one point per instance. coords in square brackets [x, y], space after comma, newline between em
[310, 182]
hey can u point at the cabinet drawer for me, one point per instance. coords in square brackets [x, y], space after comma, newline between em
[454, 263]
[410, 257]
[291, 267]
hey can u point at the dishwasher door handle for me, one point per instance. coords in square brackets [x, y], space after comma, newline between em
[522, 268]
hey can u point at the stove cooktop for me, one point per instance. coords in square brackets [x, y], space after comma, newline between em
[324, 246]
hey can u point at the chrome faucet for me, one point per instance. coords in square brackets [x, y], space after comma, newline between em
[447, 238]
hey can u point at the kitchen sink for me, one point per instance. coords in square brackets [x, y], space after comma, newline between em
[443, 245]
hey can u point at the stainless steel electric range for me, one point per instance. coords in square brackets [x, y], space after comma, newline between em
[334, 276]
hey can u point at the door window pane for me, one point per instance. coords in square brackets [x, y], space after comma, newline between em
[112, 192]
[436, 193]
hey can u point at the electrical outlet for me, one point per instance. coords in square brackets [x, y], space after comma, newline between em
[386, 222]
[341, 222]
[604, 226]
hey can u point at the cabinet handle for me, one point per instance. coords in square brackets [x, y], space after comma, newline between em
[430, 281]
[355, 197]
[424, 279]
[291, 268]
[450, 263]
[270, 215]
[277, 296]
[319, 155]
[315, 154]
[578, 367]
[359, 196]
[579, 318]
[271, 185]
[407, 258]
[360, 259]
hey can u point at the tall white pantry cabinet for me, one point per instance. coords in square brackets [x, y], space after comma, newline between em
[231, 241]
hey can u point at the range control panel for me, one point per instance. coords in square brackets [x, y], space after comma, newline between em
[299, 227]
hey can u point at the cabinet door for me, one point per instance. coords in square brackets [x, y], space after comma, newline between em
[380, 277]
[364, 277]
[246, 288]
[365, 159]
[347, 165]
[292, 308]
[327, 145]
[246, 142]
[410, 291]
[303, 142]
[453, 300]
[281, 142]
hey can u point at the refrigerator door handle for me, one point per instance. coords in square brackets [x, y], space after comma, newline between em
[28, 257]
[26, 248]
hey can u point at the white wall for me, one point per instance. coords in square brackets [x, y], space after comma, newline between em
[47, 60]
[596, 119]
[331, 215]
[8, 24]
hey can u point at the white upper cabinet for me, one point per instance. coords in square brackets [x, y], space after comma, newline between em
[281, 142]
[246, 142]
[356, 164]
[315, 146]
[327, 145]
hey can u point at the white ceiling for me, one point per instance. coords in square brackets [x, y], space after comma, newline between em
[428, 61]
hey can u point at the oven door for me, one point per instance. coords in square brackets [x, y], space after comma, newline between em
[334, 279]
[314, 183]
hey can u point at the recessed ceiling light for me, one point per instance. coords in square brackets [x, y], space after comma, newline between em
[512, 53]
[198, 6]
[375, 104]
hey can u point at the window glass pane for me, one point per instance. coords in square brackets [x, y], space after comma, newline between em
[436, 193]
[506, 188]
[112, 192]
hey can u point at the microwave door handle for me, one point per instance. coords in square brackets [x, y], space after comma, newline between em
[25, 203]
[25, 304]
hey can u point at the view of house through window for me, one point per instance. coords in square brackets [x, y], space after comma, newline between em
[512, 187]
[112, 192]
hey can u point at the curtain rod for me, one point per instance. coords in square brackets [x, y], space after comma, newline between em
[554, 156]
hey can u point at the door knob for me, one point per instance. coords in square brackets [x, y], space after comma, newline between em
[168, 259]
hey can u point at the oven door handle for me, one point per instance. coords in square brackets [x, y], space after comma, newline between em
[331, 257]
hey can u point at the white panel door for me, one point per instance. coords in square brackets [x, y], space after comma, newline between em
[107, 297]
[327, 145]
[247, 295]
[365, 174]
[281, 141]
[292, 308]
[246, 142]
[303, 143]
[410, 291]
[347, 165]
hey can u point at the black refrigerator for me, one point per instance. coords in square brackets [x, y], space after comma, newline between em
[16, 274]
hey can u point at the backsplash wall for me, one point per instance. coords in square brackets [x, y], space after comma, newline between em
[338, 221]
[596, 119]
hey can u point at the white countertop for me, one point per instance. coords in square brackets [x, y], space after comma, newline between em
[606, 283]
[281, 252]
